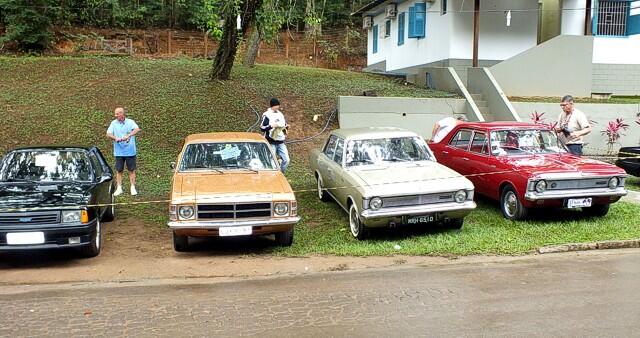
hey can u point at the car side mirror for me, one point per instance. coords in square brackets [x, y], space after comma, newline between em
[105, 178]
[173, 165]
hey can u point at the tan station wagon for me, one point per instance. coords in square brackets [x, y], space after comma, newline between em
[385, 177]
[228, 184]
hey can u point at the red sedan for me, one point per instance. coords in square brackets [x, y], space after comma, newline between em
[524, 166]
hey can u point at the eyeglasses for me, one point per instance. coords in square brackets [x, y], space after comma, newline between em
[566, 104]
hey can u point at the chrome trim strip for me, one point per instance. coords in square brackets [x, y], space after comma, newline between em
[231, 223]
[547, 195]
[422, 209]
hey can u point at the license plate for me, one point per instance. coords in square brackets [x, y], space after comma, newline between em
[421, 219]
[22, 238]
[579, 202]
[235, 231]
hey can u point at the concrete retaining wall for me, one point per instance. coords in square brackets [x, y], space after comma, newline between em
[416, 114]
[616, 79]
[600, 113]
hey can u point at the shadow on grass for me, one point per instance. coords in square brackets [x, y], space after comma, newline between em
[231, 246]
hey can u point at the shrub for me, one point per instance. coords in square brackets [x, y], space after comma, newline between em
[28, 25]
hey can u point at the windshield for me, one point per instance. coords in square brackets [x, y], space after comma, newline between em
[383, 150]
[248, 155]
[46, 166]
[529, 141]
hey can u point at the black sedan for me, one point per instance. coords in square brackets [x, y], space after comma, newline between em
[629, 160]
[49, 198]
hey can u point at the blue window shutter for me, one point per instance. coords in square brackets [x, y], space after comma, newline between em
[375, 39]
[633, 24]
[421, 20]
[400, 29]
[412, 22]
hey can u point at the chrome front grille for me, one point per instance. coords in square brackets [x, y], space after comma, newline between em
[234, 210]
[404, 201]
[29, 218]
[578, 184]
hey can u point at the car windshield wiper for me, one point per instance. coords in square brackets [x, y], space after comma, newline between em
[395, 159]
[231, 166]
[361, 161]
[22, 180]
[201, 166]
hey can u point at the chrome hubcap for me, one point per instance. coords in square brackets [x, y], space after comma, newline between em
[510, 203]
[354, 222]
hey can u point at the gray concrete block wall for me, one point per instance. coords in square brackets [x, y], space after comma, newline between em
[616, 79]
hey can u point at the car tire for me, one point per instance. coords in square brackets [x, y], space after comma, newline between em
[110, 212]
[455, 223]
[597, 210]
[511, 206]
[95, 245]
[323, 195]
[358, 230]
[285, 238]
[180, 243]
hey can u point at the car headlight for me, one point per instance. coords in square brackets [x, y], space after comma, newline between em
[71, 216]
[541, 186]
[613, 182]
[186, 212]
[375, 203]
[460, 196]
[281, 209]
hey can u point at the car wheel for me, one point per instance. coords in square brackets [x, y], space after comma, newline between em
[358, 229]
[511, 206]
[455, 223]
[322, 193]
[597, 210]
[180, 243]
[93, 248]
[285, 238]
[110, 213]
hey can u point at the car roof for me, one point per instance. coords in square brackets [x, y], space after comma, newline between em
[372, 132]
[225, 136]
[499, 125]
[52, 148]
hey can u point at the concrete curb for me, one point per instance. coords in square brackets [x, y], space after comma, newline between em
[604, 245]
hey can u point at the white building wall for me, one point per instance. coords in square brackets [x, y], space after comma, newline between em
[621, 51]
[573, 14]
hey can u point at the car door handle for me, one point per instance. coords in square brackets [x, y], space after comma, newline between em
[445, 152]
[465, 159]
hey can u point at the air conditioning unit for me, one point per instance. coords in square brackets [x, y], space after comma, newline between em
[367, 22]
[390, 11]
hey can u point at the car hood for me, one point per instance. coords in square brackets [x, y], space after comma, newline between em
[37, 195]
[198, 185]
[404, 179]
[565, 164]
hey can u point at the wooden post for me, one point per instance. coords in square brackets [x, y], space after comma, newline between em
[130, 43]
[476, 31]
[286, 44]
[169, 38]
[206, 46]
[588, 30]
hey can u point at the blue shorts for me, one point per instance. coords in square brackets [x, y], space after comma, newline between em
[129, 160]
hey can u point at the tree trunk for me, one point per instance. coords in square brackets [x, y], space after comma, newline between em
[226, 53]
[308, 27]
[252, 48]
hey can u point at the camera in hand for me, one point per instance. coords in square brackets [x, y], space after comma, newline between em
[566, 131]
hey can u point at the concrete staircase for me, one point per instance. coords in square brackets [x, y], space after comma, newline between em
[483, 106]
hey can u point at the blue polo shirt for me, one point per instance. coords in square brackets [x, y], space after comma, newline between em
[122, 129]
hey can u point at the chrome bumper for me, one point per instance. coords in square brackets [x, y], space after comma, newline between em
[548, 195]
[419, 210]
[231, 223]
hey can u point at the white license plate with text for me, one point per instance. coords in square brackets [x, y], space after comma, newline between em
[235, 231]
[579, 202]
[421, 219]
[23, 238]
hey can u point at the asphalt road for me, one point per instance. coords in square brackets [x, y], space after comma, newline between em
[568, 295]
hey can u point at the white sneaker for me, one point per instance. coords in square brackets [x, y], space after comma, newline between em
[133, 191]
[118, 192]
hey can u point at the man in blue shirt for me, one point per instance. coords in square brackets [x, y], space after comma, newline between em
[122, 131]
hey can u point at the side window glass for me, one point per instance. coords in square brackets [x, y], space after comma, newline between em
[330, 148]
[461, 139]
[479, 144]
[95, 163]
[339, 150]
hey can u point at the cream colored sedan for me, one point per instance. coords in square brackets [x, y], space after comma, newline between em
[384, 177]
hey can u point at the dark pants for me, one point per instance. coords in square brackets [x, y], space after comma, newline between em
[575, 149]
[129, 160]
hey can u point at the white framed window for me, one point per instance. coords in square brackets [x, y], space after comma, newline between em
[387, 29]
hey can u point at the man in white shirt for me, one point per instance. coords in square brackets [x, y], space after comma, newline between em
[274, 127]
[572, 126]
[444, 126]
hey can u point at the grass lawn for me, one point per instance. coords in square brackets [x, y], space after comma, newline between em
[552, 99]
[633, 183]
[70, 101]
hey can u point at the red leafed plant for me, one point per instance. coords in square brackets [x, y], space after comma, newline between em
[538, 118]
[614, 132]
